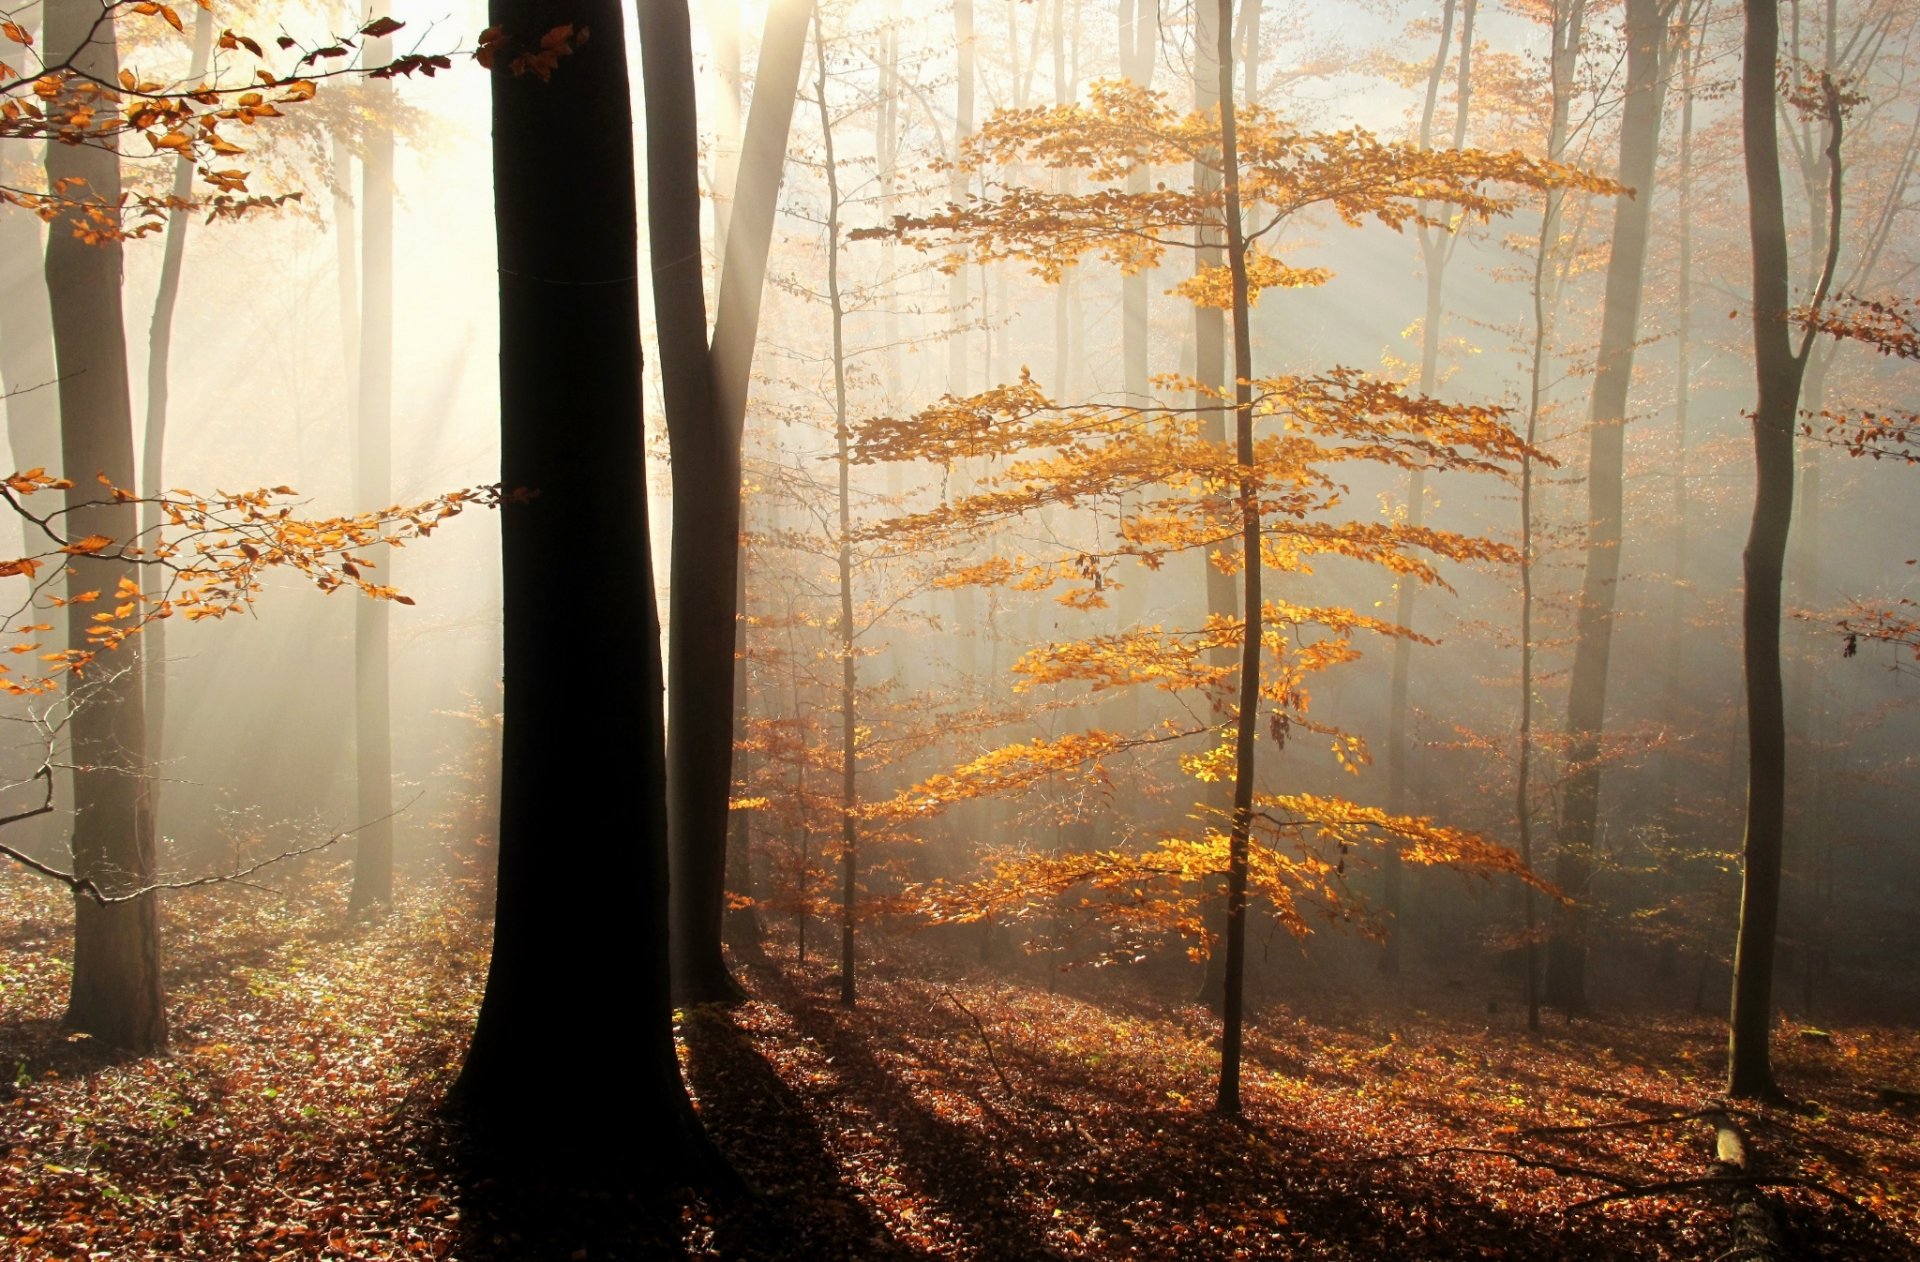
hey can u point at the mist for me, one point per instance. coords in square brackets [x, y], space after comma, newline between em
[1343, 571]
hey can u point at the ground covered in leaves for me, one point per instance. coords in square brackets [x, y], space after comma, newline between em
[954, 1114]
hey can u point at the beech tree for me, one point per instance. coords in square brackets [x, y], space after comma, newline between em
[570, 346]
[706, 385]
[1264, 503]
[1779, 368]
[1606, 470]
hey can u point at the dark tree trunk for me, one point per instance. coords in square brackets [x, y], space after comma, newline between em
[372, 491]
[117, 995]
[579, 967]
[706, 398]
[1239, 841]
[1606, 461]
[1779, 370]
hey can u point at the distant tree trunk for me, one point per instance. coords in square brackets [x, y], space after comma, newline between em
[740, 924]
[723, 41]
[1779, 370]
[1436, 251]
[1247, 715]
[27, 375]
[373, 490]
[26, 329]
[849, 694]
[1139, 34]
[568, 922]
[1606, 467]
[153, 640]
[116, 994]
[1566, 34]
[1682, 394]
[706, 398]
[1210, 370]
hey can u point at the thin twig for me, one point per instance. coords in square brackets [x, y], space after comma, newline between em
[87, 888]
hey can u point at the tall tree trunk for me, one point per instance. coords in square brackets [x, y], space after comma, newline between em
[1436, 250]
[849, 695]
[27, 375]
[1778, 369]
[706, 398]
[373, 490]
[569, 918]
[116, 994]
[1240, 837]
[1566, 29]
[1210, 371]
[1606, 460]
[1679, 500]
[1139, 33]
[153, 640]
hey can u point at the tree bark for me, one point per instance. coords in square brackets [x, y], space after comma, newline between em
[1778, 370]
[1240, 837]
[706, 397]
[373, 490]
[570, 917]
[1606, 467]
[116, 994]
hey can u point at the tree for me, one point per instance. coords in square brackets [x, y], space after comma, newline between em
[566, 921]
[154, 436]
[373, 487]
[1606, 469]
[1436, 251]
[1265, 503]
[1779, 368]
[705, 386]
[116, 994]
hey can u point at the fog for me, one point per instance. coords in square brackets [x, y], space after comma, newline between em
[259, 735]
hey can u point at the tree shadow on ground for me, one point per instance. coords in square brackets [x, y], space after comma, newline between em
[798, 1204]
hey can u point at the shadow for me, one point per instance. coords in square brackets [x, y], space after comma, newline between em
[797, 1205]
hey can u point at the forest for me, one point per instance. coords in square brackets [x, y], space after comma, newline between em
[982, 629]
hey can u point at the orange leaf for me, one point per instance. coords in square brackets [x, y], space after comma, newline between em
[88, 546]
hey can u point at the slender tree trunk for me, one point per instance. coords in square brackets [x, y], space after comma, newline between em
[1139, 32]
[1436, 249]
[153, 640]
[116, 994]
[849, 695]
[1778, 369]
[1679, 500]
[724, 96]
[1566, 34]
[1606, 469]
[706, 398]
[27, 374]
[567, 922]
[1245, 720]
[372, 490]
[1210, 371]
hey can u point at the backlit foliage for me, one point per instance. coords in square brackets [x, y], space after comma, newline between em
[209, 562]
[1154, 485]
[44, 96]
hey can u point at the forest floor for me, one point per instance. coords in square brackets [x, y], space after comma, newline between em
[953, 1114]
